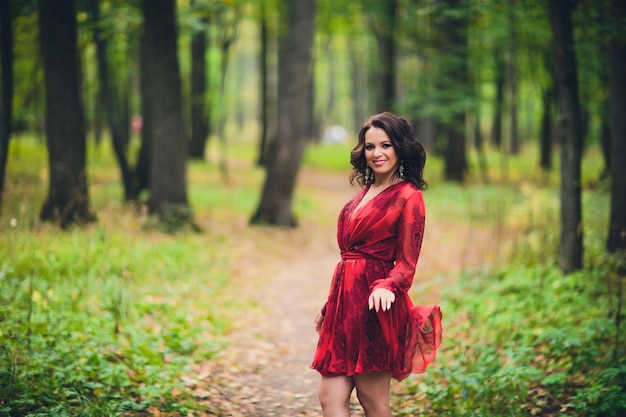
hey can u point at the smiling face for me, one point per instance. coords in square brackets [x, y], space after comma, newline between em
[380, 155]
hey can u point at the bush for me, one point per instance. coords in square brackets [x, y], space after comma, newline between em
[97, 323]
[527, 341]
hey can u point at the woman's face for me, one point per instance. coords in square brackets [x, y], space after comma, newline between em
[380, 154]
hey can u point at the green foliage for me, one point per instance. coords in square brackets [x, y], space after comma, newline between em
[527, 341]
[98, 323]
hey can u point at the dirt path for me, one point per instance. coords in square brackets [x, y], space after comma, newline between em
[265, 370]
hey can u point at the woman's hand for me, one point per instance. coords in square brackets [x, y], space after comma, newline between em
[319, 319]
[381, 299]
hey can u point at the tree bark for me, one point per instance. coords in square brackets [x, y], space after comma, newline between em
[385, 29]
[617, 87]
[264, 84]
[545, 160]
[119, 133]
[426, 124]
[358, 79]
[68, 199]
[454, 33]
[571, 239]
[199, 114]
[496, 130]
[295, 66]
[142, 170]
[7, 88]
[511, 70]
[455, 154]
[169, 144]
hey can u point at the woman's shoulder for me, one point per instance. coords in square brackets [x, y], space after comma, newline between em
[410, 194]
[408, 189]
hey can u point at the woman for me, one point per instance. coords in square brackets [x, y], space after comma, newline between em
[369, 330]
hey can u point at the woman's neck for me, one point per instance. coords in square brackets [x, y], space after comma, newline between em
[387, 181]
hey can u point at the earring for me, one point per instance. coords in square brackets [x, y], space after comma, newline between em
[368, 173]
[401, 170]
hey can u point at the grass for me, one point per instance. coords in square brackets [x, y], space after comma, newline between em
[106, 319]
[105, 313]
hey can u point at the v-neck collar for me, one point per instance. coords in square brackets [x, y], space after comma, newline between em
[356, 209]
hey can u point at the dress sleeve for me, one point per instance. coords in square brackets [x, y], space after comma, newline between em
[409, 243]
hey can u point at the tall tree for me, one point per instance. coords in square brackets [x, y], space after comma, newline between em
[199, 110]
[545, 135]
[295, 68]
[571, 240]
[511, 71]
[169, 144]
[454, 87]
[6, 95]
[68, 199]
[548, 99]
[496, 130]
[617, 87]
[148, 95]
[263, 81]
[117, 123]
[226, 18]
[383, 16]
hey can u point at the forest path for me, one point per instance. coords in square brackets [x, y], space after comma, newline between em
[264, 371]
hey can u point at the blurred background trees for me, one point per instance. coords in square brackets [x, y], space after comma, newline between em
[163, 79]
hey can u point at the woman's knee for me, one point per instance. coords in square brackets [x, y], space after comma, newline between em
[373, 393]
[335, 392]
[373, 401]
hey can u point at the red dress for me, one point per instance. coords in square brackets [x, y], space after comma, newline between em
[380, 244]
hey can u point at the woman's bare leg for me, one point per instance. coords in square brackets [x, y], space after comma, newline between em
[334, 395]
[372, 390]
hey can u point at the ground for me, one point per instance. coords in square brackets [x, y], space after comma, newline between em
[265, 371]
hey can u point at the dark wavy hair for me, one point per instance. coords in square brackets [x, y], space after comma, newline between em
[410, 152]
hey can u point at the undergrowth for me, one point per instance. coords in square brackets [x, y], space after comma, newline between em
[528, 342]
[100, 323]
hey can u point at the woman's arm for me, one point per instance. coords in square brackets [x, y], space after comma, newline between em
[409, 243]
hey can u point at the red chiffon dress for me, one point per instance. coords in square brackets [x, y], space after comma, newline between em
[380, 244]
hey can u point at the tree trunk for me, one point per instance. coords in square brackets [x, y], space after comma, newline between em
[264, 84]
[119, 133]
[225, 45]
[426, 123]
[480, 149]
[496, 132]
[617, 87]
[68, 199]
[385, 29]
[142, 170]
[7, 88]
[571, 241]
[546, 130]
[295, 66]
[605, 139]
[358, 79]
[426, 129]
[199, 115]
[455, 73]
[511, 69]
[455, 154]
[169, 145]
[605, 111]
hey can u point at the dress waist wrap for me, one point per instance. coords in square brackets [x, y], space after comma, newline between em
[353, 254]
